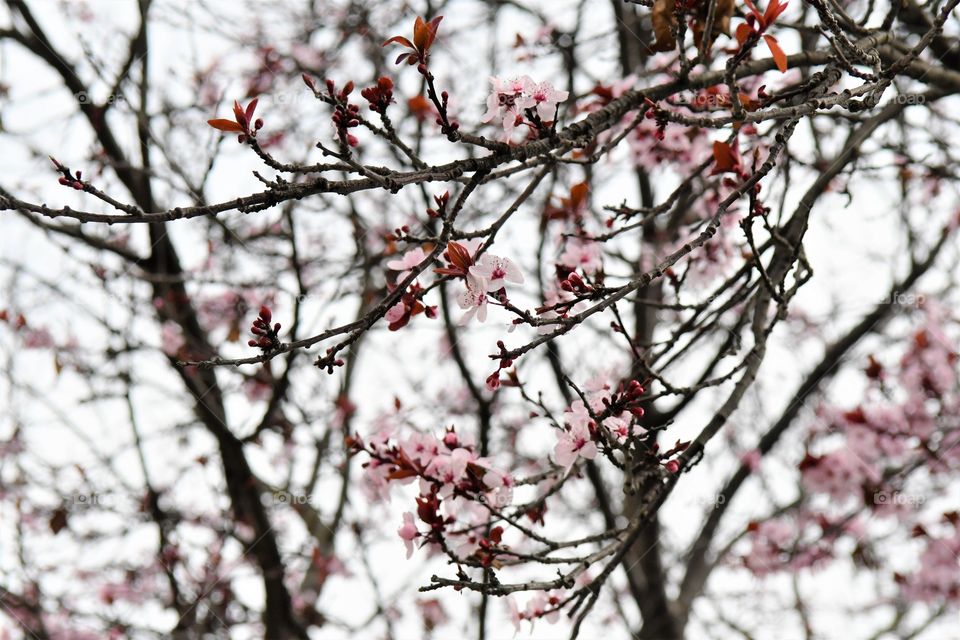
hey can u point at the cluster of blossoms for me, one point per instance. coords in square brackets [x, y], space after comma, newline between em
[484, 276]
[543, 605]
[908, 414]
[937, 578]
[617, 413]
[457, 491]
[886, 430]
[778, 545]
[33, 337]
[520, 101]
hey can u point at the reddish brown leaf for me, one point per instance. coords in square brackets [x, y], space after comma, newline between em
[756, 13]
[400, 474]
[433, 26]
[238, 114]
[578, 194]
[225, 125]
[420, 34]
[774, 9]
[58, 521]
[664, 20]
[724, 12]
[399, 40]
[778, 55]
[459, 256]
[724, 157]
[250, 109]
[743, 32]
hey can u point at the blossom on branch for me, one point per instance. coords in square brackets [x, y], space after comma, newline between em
[496, 272]
[474, 298]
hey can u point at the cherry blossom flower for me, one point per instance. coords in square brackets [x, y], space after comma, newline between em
[449, 469]
[433, 613]
[581, 253]
[620, 427]
[545, 97]
[937, 578]
[506, 103]
[573, 444]
[501, 484]
[516, 616]
[376, 481]
[397, 312]
[409, 260]
[37, 338]
[496, 272]
[408, 532]
[751, 460]
[839, 474]
[543, 605]
[577, 415]
[770, 539]
[420, 447]
[474, 298]
[171, 338]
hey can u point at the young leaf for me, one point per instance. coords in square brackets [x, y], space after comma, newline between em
[724, 157]
[248, 114]
[225, 125]
[778, 55]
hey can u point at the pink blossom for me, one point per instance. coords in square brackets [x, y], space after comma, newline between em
[545, 97]
[410, 260]
[376, 481]
[450, 469]
[516, 617]
[771, 539]
[396, 312]
[573, 444]
[420, 447]
[474, 298]
[408, 532]
[543, 605]
[583, 254]
[506, 103]
[501, 485]
[938, 576]
[620, 427]
[171, 338]
[839, 474]
[577, 415]
[496, 272]
[751, 460]
[432, 613]
[37, 338]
